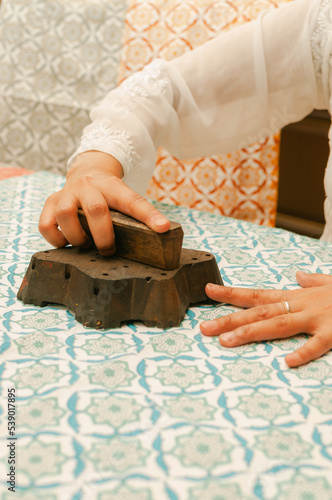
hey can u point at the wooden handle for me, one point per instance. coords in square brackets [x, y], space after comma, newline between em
[135, 241]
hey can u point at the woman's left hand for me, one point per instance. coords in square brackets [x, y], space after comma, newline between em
[267, 318]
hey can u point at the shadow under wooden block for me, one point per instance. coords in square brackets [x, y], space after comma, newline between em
[103, 292]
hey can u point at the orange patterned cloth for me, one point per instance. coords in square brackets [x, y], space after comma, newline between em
[243, 184]
[6, 172]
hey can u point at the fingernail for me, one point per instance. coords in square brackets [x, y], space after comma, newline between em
[108, 252]
[227, 337]
[210, 325]
[212, 287]
[159, 220]
[294, 359]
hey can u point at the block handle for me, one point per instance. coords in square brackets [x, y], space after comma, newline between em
[136, 241]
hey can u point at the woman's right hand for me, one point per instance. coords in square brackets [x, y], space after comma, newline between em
[94, 184]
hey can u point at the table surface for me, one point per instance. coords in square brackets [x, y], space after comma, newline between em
[140, 413]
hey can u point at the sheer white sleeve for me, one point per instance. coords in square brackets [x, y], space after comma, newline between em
[322, 54]
[245, 84]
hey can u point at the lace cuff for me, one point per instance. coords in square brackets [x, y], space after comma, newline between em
[101, 137]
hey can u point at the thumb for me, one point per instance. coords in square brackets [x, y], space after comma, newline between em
[314, 279]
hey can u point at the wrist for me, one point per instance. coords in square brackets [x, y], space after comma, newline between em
[95, 163]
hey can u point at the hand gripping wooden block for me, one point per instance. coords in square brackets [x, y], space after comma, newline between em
[136, 241]
[103, 292]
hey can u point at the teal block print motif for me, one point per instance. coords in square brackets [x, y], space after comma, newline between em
[288, 446]
[303, 487]
[202, 449]
[39, 459]
[320, 370]
[246, 371]
[322, 400]
[38, 344]
[118, 455]
[172, 343]
[138, 413]
[110, 374]
[125, 493]
[39, 413]
[179, 375]
[114, 411]
[216, 490]
[37, 376]
[30, 494]
[39, 320]
[258, 405]
[104, 346]
[189, 408]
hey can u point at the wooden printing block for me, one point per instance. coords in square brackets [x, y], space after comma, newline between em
[103, 292]
[149, 279]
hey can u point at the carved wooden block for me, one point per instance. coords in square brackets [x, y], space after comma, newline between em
[103, 292]
[135, 241]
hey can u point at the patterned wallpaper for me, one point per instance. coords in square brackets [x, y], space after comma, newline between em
[58, 58]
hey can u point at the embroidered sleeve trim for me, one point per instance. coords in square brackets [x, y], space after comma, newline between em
[114, 142]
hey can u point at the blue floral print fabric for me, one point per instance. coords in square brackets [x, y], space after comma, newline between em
[139, 413]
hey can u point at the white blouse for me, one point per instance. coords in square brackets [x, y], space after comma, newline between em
[243, 85]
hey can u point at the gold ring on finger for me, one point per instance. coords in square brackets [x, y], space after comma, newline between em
[286, 306]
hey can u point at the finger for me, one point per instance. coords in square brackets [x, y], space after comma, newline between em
[283, 326]
[315, 279]
[99, 220]
[242, 318]
[245, 297]
[67, 219]
[315, 347]
[48, 226]
[125, 200]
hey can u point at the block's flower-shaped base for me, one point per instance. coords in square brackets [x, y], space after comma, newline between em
[103, 292]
